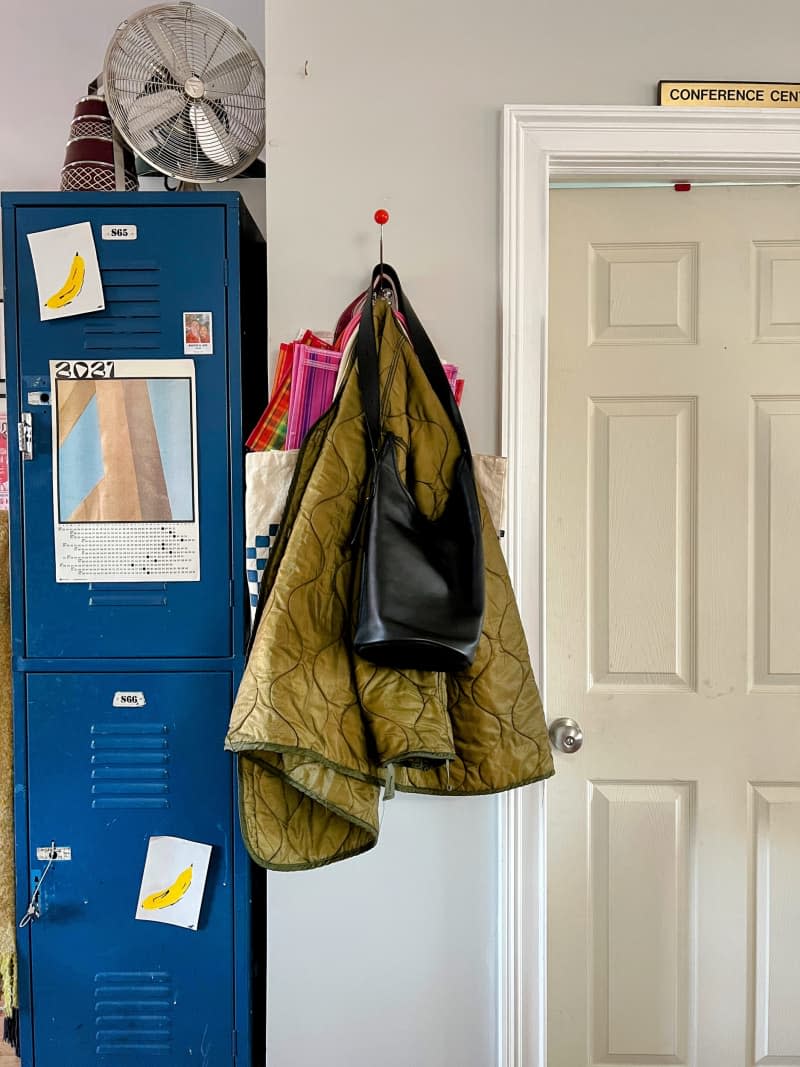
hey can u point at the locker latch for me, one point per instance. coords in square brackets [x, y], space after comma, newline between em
[34, 910]
[25, 435]
[54, 852]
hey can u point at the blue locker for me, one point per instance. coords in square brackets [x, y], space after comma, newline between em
[177, 262]
[120, 776]
[122, 688]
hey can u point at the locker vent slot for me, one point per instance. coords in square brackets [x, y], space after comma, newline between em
[129, 765]
[133, 1013]
[132, 316]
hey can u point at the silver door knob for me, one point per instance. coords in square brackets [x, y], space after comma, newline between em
[565, 735]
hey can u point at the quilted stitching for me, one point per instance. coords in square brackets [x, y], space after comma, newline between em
[314, 725]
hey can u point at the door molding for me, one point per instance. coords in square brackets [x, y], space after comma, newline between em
[541, 144]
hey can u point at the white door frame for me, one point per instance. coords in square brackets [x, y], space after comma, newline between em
[573, 143]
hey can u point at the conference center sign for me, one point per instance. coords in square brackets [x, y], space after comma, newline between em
[728, 94]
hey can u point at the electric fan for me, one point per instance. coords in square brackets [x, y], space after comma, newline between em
[186, 91]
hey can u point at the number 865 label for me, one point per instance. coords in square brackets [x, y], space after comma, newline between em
[79, 368]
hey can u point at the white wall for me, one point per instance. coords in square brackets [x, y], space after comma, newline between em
[401, 109]
[388, 959]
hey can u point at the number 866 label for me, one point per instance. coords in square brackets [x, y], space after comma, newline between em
[79, 368]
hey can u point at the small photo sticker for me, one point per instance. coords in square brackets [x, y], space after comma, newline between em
[198, 337]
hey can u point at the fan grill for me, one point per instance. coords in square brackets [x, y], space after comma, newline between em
[186, 91]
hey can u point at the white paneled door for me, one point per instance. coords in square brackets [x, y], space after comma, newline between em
[673, 627]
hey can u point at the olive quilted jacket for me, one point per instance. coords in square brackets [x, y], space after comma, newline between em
[316, 728]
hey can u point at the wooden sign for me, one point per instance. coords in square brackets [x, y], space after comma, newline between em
[728, 94]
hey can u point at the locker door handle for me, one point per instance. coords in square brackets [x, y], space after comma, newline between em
[25, 435]
[33, 911]
[36, 390]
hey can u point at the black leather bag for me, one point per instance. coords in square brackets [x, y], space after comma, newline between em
[421, 596]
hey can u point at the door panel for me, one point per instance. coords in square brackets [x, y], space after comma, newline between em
[103, 780]
[672, 627]
[176, 264]
[641, 917]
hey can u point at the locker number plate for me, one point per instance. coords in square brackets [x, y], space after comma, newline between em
[118, 233]
[129, 700]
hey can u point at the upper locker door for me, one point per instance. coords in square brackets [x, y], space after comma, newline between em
[176, 264]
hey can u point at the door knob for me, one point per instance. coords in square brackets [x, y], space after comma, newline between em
[565, 735]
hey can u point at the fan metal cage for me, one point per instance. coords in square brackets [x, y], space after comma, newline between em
[186, 91]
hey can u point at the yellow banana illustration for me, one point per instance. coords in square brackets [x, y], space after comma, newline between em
[172, 894]
[72, 286]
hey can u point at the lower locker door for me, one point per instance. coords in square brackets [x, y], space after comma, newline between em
[106, 988]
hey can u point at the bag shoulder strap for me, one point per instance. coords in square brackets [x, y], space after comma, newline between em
[367, 356]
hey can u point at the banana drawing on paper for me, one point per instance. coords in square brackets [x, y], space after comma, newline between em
[165, 898]
[173, 882]
[72, 286]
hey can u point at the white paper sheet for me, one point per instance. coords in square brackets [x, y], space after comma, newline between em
[67, 272]
[125, 478]
[173, 882]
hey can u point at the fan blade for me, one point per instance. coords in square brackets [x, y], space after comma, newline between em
[213, 138]
[232, 75]
[154, 109]
[170, 51]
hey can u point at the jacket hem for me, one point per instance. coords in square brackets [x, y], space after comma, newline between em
[445, 792]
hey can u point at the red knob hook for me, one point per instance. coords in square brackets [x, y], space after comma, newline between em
[381, 217]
